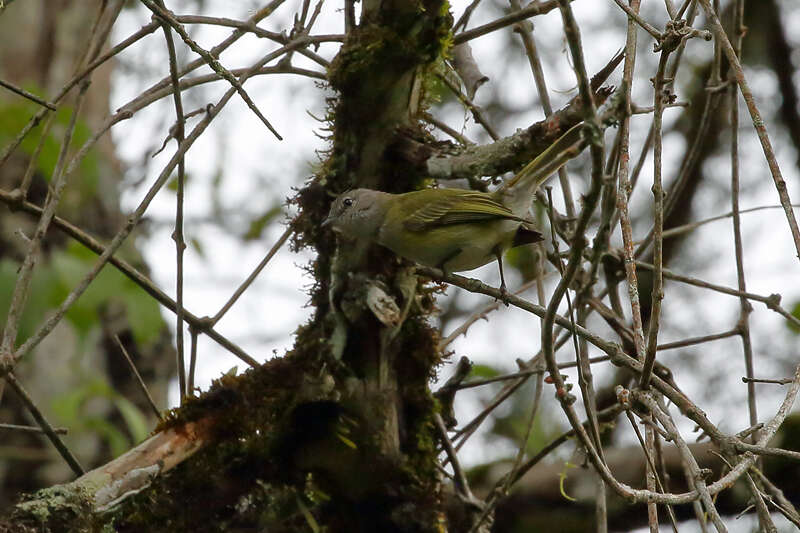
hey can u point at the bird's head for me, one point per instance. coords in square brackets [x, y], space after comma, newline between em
[358, 213]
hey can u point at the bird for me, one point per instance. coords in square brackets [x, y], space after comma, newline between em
[454, 230]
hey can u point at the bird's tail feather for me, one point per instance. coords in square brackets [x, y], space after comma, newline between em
[566, 147]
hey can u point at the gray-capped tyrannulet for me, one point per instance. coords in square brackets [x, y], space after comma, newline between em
[453, 229]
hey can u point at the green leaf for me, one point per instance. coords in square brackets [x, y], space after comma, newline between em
[110, 285]
[14, 116]
[795, 313]
[310, 520]
[115, 438]
[134, 418]
[484, 371]
[562, 477]
[40, 297]
[258, 225]
[71, 410]
[172, 184]
[198, 246]
[144, 315]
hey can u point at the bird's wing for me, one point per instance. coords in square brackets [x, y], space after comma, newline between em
[465, 206]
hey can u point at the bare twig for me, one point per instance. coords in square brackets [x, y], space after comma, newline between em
[784, 381]
[47, 429]
[177, 234]
[192, 362]
[131, 273]
[772, 301]
[535, 8]
[525, 30]
[697, 340]
[744, 306]
[25, 94]
[25, 274]
[253, 275]
[461, 484]
[31, 429]
[138, 377]
[758, 121]
[133, 219]
[210, 60]
[633, 14]
[657, 294]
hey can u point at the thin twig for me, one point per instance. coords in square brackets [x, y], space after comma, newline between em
[192, 362]
[47, 429]
[784, 381]
[463, 20]
[131, 273]
[758, 121]
[744, 306]
[25, 94]
[427, 117]
[624, 189]
[697, 340]
[253, 275]
[138, 377]
[32, 429]
[212, 62]
[633, 14]
[764, 519]
[657, 294]
[535, 8]
[772, 301]
[177, 235]
[477, 112]
[460, 479]
[691, 226]
[524, 373]
[525, 31]
[25, 274]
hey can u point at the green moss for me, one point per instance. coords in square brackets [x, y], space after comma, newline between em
[59, 508]
[373, 74]
[253, 432]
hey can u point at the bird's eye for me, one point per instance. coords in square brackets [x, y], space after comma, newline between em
[347, 202]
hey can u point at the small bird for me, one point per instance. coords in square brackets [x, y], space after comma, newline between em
[453, 229]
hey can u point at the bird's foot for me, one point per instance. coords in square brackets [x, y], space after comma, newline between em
[504, 294]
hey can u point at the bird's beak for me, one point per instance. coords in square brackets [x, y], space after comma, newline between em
[327, 222]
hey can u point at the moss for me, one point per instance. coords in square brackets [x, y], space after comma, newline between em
[373, 74]
[276, 446]
[252, 438]
[400, 40]
[59, 508]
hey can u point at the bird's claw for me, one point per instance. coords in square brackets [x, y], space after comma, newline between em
[504, 294]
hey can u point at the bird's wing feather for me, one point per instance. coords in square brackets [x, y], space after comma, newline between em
[458, 208]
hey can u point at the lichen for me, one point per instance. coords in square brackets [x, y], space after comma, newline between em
[58, 508]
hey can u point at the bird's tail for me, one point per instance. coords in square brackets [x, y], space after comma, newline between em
[527, 180]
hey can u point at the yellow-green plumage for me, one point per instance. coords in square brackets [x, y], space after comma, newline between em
[452, 229]
[448, 228]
